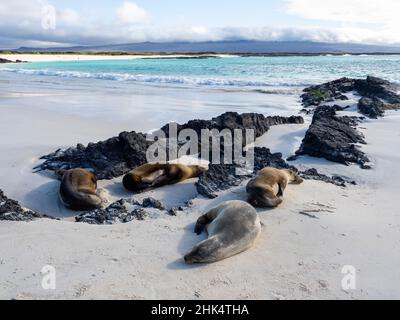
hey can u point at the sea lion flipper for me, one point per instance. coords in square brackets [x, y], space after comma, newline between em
[152, 178]
[204, 220]
[282, 188]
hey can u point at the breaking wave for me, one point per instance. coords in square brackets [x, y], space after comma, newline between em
[156, 78]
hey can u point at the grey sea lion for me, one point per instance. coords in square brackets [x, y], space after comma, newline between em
[157, 175]
[232, 227]
[261, 189]
[78, 190]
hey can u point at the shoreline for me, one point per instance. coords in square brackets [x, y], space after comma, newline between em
[84, 56]
[61, 57]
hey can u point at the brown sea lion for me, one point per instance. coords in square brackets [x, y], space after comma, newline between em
[232, 228]
[78, 190]
[157, 175]
[262, 189]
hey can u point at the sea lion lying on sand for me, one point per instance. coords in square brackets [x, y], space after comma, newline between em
[232, 228]
[261, 189]
[78, 190]
[157, 175]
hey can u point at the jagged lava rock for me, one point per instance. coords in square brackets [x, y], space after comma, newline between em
[118, 155]
[334, 138]
[11, 210]
[313, 174]
[107, 159]
[235, 121]
[327, 92]
[220, 177]
[118, 212]
[372, 108]
[374, 87]
[371, 87]
[153, 203]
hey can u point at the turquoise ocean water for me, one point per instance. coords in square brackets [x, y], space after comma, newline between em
[224, 72]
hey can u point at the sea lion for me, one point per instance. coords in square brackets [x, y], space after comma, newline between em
[78, 190]
[157, 175]
[261, 189]
[232, 227]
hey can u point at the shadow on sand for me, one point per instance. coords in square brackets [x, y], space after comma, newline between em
[45, 199]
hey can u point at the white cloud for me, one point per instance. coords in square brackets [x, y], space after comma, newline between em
[69, 17]
[371, 21]
[20, 25]
[131, 13]
[384, 12]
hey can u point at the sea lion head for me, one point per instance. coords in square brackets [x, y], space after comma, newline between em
[197, 255]
[133, 183]
[197, 170]
[294, 177]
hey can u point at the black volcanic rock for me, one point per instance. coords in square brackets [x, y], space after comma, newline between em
[235, 121]
[327, 92]
[5, 61]
[334, 138]
[153, 203]
[117, 156]
[372, 108]
[313, 174]
[371, 87]
[223, 177]
[220, 177]
[107, 159]
[374, 88]
[11, 210]
[118, 212]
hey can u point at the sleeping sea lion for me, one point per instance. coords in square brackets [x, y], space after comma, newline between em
[261, 189]
[157, 175]
[78, 190]
[232, 227]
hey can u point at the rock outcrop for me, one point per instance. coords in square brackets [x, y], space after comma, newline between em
[327, 92]
[235, 121]
[374, 87]
[222, 177]
[11, 210]
[313, 174]
[378, 91]
[107, 159]
[334, 138]
[372, 108]
[117, 156]
[5, 61]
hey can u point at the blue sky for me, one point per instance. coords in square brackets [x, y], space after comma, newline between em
[89, 22]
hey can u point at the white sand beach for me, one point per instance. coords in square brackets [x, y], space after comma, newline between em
[297, 256]
[43, 57]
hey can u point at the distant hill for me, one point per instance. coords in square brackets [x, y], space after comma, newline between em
[240, 47]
